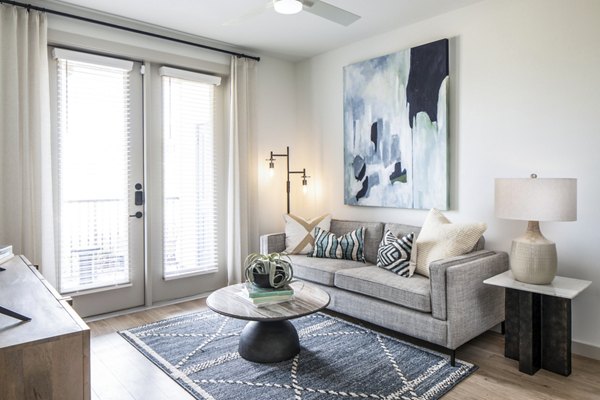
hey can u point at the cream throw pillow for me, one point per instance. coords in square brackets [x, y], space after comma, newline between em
[299, 233]
[439, 238]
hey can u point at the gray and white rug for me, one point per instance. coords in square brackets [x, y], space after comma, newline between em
[337, 360]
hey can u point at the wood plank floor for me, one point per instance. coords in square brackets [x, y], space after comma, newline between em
[122, 373]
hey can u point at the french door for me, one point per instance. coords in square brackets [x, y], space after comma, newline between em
[99, 173]
[185, 176]
[106, 214]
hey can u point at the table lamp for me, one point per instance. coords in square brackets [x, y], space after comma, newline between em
[532, 256]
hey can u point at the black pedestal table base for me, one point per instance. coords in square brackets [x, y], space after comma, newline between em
[538, 332]
[269, 337]
[269, 341]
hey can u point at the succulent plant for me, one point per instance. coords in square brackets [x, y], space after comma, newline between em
[278, 266]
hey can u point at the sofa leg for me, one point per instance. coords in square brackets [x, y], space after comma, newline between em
[453, 358]
[503, 327]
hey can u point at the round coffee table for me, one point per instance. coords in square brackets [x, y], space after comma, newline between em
[269, 336]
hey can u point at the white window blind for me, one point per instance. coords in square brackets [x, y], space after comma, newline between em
[189, 184]
[93, 163]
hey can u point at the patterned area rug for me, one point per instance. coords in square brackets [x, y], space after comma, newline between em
[337, 360]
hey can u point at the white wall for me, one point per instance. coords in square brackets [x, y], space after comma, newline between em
[525, 97]
[277, 127]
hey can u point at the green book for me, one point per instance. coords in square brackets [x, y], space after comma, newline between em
[271, 300]
[255, 291]
[263, 301]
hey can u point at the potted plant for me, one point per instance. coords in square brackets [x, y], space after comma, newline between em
[272, 270]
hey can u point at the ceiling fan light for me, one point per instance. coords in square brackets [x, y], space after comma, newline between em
[287, 6]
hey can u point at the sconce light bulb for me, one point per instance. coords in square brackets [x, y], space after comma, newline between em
[304, 189]
[271, 172]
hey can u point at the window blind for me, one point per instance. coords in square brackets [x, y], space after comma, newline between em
[189, 183]
[93, 163]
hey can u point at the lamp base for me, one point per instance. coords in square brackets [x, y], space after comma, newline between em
[533, 257]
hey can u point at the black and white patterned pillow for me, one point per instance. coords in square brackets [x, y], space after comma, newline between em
[348, 247]
[394, 253]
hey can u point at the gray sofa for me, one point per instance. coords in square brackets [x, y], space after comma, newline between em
[448, 309]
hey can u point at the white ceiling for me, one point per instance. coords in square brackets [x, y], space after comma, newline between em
[293, 37]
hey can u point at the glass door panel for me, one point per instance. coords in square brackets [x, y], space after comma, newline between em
[100, 160]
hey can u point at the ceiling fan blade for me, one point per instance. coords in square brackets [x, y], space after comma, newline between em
[330, 12]
[249, 15]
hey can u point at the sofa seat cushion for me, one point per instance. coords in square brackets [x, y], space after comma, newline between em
[414, 292]
[321, 270]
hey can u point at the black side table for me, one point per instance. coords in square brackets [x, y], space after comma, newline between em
[538, 322]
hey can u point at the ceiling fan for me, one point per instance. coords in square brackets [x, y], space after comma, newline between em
[316, 7]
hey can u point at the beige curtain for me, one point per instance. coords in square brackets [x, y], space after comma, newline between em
[26, 219]
[242, 227]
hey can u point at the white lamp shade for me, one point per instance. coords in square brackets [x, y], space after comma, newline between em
[537, 199]
[287, 6]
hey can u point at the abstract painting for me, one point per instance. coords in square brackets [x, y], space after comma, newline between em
[396, 131]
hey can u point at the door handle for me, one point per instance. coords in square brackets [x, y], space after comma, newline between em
[137, 214]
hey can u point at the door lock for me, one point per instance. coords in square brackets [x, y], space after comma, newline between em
[139, 195]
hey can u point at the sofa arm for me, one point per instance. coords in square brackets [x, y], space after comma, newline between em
[272, 243]
[438, 281]
[460, 297]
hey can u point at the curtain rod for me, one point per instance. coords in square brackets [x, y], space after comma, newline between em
[124, 28]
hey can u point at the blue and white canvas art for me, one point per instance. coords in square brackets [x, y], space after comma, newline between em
[396, 131]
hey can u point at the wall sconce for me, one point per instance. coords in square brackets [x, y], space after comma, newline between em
[271, 161]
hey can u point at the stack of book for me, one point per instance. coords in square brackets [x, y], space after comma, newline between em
[261, 297]
[6, 253]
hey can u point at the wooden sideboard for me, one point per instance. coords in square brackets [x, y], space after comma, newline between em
[48, 357]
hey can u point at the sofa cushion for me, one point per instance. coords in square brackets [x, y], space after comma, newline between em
[349, 246]
[299, 233]
[373, 235]
[394, 253]
[320, 270]
[400, 230]
[439, 238]
[412, 292]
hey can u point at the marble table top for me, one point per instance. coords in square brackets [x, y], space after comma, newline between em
[307, 300]
[563, 287]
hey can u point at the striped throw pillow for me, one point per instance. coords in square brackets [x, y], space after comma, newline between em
[348, 247]
[394, 253]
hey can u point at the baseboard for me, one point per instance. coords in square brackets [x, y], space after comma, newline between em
[581, 348]
[144, 308]
[585, 349]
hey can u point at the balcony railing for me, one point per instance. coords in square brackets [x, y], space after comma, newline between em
[94, 244]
